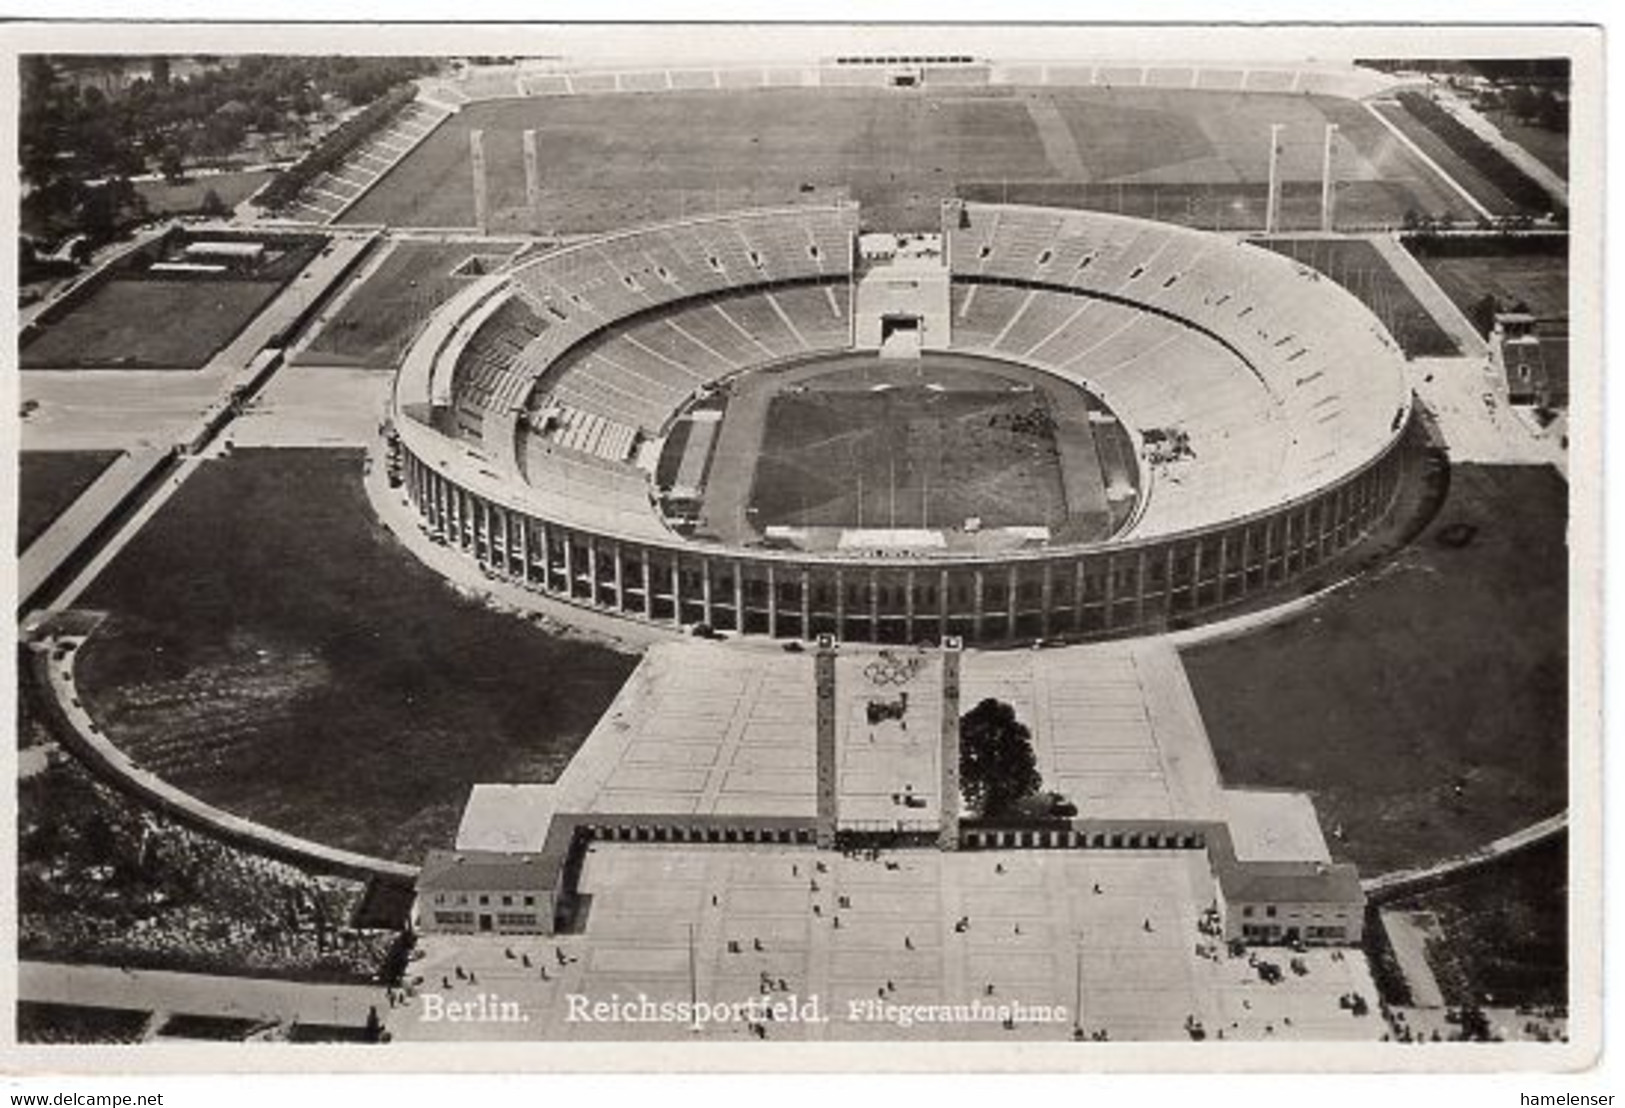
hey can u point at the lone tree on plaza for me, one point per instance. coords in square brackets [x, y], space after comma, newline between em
[997, 769]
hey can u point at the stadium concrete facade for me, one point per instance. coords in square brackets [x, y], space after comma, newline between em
[1265, 404]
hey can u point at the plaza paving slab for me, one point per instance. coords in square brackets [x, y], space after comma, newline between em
[865, 943]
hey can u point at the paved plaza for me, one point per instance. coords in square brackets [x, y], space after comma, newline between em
[904, 929]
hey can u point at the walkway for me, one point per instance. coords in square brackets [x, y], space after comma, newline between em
[1429, 295]
[197, 994]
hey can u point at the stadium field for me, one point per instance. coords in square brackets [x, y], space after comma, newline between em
[909, 458]
[48, 481]
[1424, 706]
[373, 328]
[272, 649]
[150, 324]
[1541, 283]
[1357, 266]
[610, 161]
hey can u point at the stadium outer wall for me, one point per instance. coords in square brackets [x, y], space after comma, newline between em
[1115, 590]
[471, 497]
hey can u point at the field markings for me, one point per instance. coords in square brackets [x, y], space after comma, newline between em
[1060, 147]
[1429, 162]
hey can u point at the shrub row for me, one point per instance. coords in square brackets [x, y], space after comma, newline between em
[1489, 161]
[335, 147]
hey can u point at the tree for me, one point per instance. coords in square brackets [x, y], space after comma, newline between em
[997, 768]
[1483, 313]
[213, 205]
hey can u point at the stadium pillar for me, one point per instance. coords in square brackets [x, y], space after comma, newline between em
[1168, 582]
[1139, 589]
[648, 587]
[1047, 596]
[948, 802]
[524, 549]
[1194, 600]
[1224, 565]
[942, 603]
[592, 569]
[1012, 588]
[620, 578]
[978, 592]
[874, 605]
[533, 181]
[1078, 585]
[705, 592]
[1246, 556]
[1273, 197]
[476, 151]
[908, 606]
[545, 535]
[739, 597]
[1111, 591]
[840, 605]
[1328, 190]
[825, 755]
[676, 591]
[772, 603]
[806, 603]
[569, 565]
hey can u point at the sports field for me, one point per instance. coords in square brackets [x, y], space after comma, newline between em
[927, 444]
[48, 481]
[1541, 283]
[1357, 266]
[1478, 186]
[375, 325]
[150, 324]
[1425, 707]
[271, 648]
[186, 197]
[608, 161]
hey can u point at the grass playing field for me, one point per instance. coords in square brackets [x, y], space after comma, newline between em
[380, 319]
[150, 324]
[186, 197]
[272, 649]
[1540, 282]
[1357, 266]
[1461, 171]
[613, 160]
[1424, 707]
[48, 481]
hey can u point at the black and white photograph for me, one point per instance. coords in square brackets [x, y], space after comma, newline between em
[1005, 545]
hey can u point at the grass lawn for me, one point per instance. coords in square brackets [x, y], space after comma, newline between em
[1461, 170]
[1356, 265]
[274, 650]
[1425, 707]
[1540, 282]
[1505, 930]
[74, 1023]
[186, 197]
[1551, 147]
[378, 322]
[49, 481]
[150, 324]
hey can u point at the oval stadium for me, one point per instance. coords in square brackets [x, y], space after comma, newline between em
[1025, 423]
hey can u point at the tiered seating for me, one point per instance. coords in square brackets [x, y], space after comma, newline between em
[816, 314]
[754, 314]
[588, 432]
[484, 376]
[1312, 394]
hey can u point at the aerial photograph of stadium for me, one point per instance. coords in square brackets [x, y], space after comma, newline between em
[867, 533]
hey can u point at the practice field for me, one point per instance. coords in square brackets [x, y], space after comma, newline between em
[150, 324]
[1541, 283]
[273, 650]
[186, 197]
[1357, 266]
[48, 481]
[610, 161]
[1425, 706]
[375, 325]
